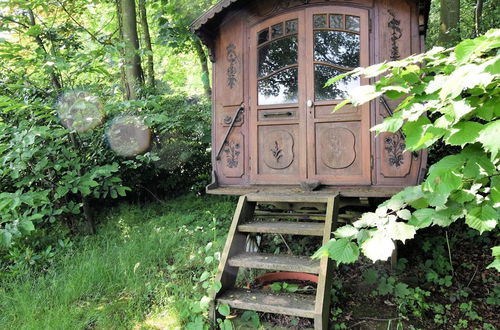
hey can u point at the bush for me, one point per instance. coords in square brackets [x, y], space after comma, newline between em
[450, 96]
[54, 177]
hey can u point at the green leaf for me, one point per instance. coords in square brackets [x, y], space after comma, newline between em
[390, 124]
[333, 80]
[465, 49]
[378, 247]
[489, 137]
[362, 94]
[482, 218]
[404, 214]
[495, 191]
[346, 231]
[463, 133]
[400, 231]
[343, 251]
[204, 276]
[224, 309]
[422, 218]
[495, 251]
[401, 290]
[276, 287]
[341, 105]
[26, 227]
[5, 238]
[495, 264]
[421, 134]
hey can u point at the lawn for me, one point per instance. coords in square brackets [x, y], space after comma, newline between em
[148, 267]
[139, 271]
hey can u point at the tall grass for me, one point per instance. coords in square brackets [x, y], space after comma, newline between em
[143, 263]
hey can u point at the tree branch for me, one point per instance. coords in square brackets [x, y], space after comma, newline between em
[92, 35]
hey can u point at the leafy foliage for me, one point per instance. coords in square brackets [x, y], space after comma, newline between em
[449, 96]
[49, 174]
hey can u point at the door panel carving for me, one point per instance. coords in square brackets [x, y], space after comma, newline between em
[337, 147]
[232, 158]
[395, 162]
[277, 149]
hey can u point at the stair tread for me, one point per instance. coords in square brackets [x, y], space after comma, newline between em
[275, 262]
[270, 302]
[291, 228]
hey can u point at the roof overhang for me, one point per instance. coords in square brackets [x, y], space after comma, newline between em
[206, 26]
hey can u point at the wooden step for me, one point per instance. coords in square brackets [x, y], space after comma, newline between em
[269, 302]
[275, 262]
[290, 228]
[285, 215]
[284, 198]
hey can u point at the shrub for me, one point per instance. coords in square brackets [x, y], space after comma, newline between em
[450, 96]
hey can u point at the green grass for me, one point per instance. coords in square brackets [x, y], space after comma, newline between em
[139, 271]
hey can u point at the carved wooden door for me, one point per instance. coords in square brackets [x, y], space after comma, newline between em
[338, 143]
[294, 135]
[277, 80]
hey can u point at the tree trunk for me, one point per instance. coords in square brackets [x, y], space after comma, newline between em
[204, 67]
[147, 43]
[449, 29]
[133, 69]
[477, 17]
[56, 82]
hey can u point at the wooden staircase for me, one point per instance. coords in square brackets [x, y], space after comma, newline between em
[234, 255]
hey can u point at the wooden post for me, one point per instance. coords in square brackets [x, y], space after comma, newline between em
[322, 310]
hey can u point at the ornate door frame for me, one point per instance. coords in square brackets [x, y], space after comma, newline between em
[292, 136]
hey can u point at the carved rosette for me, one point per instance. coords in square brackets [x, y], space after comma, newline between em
[278, 150]
[338, 148]
[232, 69]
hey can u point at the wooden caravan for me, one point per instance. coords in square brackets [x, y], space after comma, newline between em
[273, 125]
[275, 135]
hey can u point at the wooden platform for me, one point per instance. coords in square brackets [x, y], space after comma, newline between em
[287, 190]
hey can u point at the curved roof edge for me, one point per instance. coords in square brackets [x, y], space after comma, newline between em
[218, 8]
[204, 25]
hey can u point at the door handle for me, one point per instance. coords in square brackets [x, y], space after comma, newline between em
[310, 103]
[277, 114]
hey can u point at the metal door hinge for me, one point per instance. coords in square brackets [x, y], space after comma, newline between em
[372, 162]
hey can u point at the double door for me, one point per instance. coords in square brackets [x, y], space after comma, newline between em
[294, 135]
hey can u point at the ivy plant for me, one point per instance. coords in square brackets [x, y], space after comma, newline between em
[449, 96]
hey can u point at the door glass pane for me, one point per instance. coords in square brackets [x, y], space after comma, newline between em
[277, 54]
[263, 36]
[277, 30]
[336, 21]
[319, 21]
[337, 91]
[352, 23]
[280, 88]
[292, 26]
[337, 48]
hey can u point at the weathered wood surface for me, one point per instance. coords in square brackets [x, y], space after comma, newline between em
[322, 306]
[362, 191]
[235, 244]
[284, 228]
[278, 262]
[313, 139]
[268, 302]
